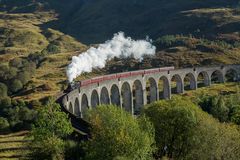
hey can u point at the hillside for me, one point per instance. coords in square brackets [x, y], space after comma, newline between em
[95, 21]
[38, 39]
[14, 146]
[48, 33]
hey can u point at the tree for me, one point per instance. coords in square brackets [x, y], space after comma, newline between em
[3, 69]
[175, 122]
[16, 86]
[24, 77]
[235, 115]
[216, 105]
[3, 90]
[51, 126]
[115, 134]
[184, 131]
[10, 73]
[4, 125]
[5, 102]
[219, 108]
[52, 49]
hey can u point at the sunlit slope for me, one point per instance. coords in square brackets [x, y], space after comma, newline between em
[14, 146]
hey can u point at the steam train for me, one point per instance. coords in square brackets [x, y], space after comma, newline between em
[77, 84]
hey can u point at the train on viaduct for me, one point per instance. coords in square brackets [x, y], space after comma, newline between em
[132, 90]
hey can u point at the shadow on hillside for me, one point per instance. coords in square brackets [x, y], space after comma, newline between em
[96, 22]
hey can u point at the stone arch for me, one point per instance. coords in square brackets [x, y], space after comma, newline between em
[137, 96]
[151, 88]
[70, 108]
[164, 88]
[177, 84]
[217, 77]
[126, 97]
[115, 95]
[203, 79]
[190, 82]
[77, 107]
[84, 104]
[104, 96]
[231, 75]
[94, 99]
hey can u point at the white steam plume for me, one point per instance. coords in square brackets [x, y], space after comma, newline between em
[119, 46]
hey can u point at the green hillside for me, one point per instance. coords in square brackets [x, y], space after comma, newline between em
[186, 33]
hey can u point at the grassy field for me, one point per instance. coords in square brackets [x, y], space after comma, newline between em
[14, 146]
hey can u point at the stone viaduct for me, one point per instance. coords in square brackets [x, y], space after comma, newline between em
[132, 90]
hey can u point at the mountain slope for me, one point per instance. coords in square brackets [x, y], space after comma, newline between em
[139, 18]
[94, 21]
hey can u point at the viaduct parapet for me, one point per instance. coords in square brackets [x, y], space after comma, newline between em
[132, 90]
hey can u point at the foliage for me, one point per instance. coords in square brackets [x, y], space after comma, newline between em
[73, 150]
[192, 133]
[17, 113]
[3, 90]
[51, 49]
[16, 86]
[225, 108]
[199, 44]
[216, 106]
[37, 57]
[175, 122]
[5, 102]
[4, 125]
[235, 115]
[51, 126]
[24, 77]
[15, 75]
[120, 134]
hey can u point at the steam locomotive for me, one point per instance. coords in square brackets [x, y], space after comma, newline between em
[78, 84]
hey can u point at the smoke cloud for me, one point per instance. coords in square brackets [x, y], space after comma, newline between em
[118, 46]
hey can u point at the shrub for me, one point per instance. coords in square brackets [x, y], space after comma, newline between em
[219, 109]
[120, 134]
[3, 70]
[16, 62]
[24, 77]
[29, 67]
[4, 125]
[10, 73]
[5, 102]
[51, 49]
[16, 85]
[37, 57]
[235, 115]
[3, 90]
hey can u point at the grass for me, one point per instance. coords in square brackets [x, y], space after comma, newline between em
[215, 89]
[14, 146]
